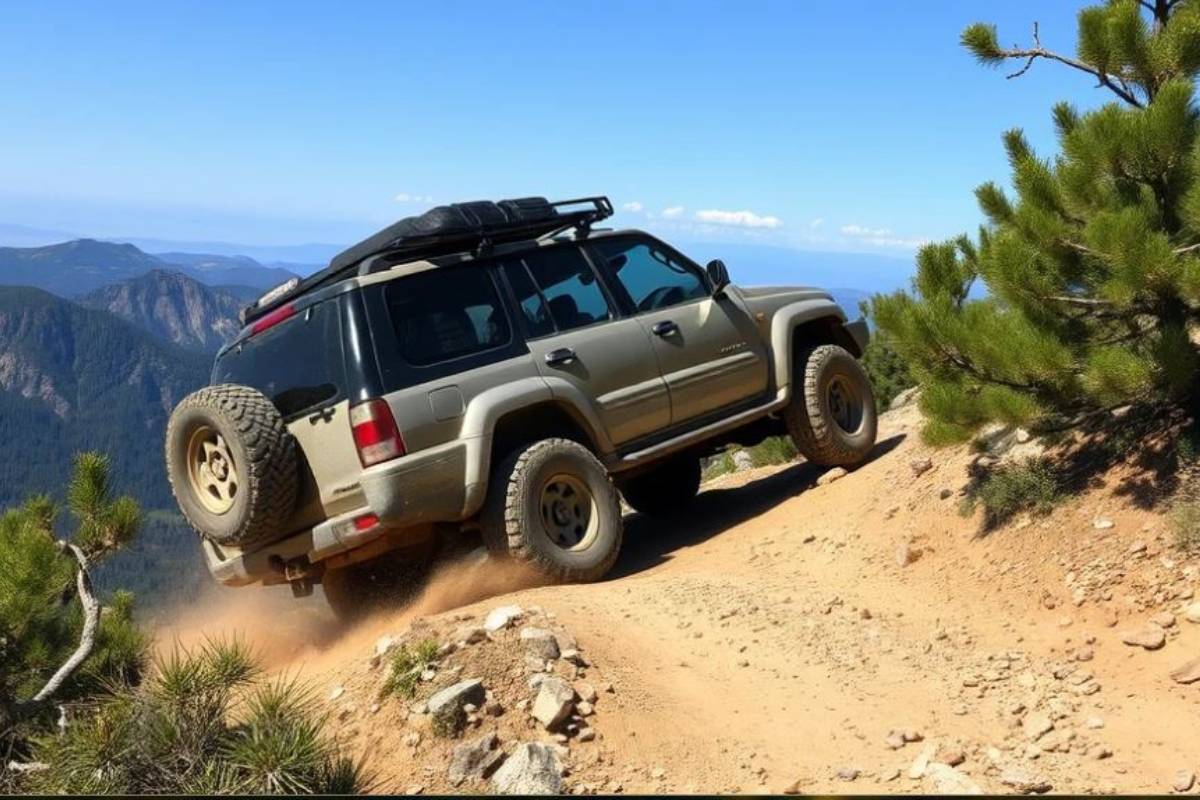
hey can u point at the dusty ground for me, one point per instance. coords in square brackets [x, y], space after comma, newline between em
[770, 638]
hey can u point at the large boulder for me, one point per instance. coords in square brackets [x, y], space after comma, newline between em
[532, 769]
[554, 703]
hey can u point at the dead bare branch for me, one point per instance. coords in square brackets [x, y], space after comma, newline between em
[1118, 84]
[91, 621]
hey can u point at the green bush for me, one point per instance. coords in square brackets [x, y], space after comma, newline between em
[204, 722]
[1185, 524]
[888, 372]
[1029, 486]
[407, 664]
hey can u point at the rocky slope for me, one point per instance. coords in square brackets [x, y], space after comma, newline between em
[174, 307]
[801, 631]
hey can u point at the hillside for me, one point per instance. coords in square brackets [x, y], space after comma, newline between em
[74, 268]
[789, 632]
[174, 307]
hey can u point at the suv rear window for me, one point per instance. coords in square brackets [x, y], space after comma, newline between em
[445, 314]
[298, 364]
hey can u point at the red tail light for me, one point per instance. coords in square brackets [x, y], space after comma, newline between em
[272, 318]
[375, 433]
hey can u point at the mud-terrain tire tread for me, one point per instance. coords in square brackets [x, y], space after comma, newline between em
[665, 489]
[817, 436]
[504, 533]
[271, 474]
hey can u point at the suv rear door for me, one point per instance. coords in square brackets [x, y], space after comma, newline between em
[709, 349]
[575, 335]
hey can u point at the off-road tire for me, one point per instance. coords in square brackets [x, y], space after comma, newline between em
[665, 489]
[264, 455]
[386, 582]
[511, 521]
[813, 424]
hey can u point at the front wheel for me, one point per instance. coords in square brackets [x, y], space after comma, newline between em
[831, 416]
[553, 506]
[665, 489]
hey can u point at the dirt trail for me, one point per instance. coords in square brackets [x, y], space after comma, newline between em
[770, 636]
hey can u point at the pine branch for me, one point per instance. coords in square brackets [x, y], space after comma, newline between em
[1116, 83]
[91, 621]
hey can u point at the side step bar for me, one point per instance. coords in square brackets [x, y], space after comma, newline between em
[688, 438]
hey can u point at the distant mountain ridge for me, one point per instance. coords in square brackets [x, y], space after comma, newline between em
[80, 266]
[173, 306]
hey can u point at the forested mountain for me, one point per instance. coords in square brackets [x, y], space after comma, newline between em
[74, 268]
[174, 307]
[74, 378]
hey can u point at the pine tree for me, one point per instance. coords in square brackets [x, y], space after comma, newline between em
[1092, 270]
[57, 644]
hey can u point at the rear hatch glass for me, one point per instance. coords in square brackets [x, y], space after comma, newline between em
[298, 363]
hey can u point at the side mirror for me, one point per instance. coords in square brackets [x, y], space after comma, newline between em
[718, 276]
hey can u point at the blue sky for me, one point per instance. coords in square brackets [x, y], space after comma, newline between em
[284, 123]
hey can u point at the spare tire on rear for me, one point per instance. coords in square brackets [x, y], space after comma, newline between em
[232, 464]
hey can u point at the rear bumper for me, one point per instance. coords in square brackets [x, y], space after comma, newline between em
[405, 494]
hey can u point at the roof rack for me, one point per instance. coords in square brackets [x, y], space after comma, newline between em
[459, 227]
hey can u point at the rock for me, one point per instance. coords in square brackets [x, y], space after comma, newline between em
[555, 700]
[532, 769]
[950, 756]
[539, 642]
[587, 693]
[1150, 637]
[500, 618]
[1102, 524]
[921, 762]
[912, 735]
[795, 787]
[920, 466]
[905, 398]
[1095, 723]
[587, 734]
[945, 779]
[337, 692]
[945, 494]
[742, 460]
[906, 554]
[384, 644]
[832, 475]
[1023, 780]
[446, 706]
[470, 634]
[1184, 780]
[1163, 619]
[895, 740]
[848, 774]
[475, 760]
[575, 657]
[1036, 726]
[1137, 547]
[584, 709]
[1187, 673]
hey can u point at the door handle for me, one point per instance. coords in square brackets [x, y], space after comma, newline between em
[665, 328]
[562, 355]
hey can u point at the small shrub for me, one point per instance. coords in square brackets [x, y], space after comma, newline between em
[773, 450]
[1029, 486]
[1185, 524]
[406, 667]
[203, 723]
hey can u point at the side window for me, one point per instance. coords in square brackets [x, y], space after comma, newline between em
[446, 313]
[533, 307]
[569, 285]
[652, 277]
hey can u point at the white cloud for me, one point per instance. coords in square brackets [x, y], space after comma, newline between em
[864, 232]
[405, 197]
[816, 223]
[741, 219]
[881, 237]
[634, 207]
[673, 212]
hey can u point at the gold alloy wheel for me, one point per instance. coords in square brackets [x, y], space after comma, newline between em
[211, 470]
[570, 518]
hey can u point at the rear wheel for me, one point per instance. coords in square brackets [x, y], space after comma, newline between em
[384, 583]
[666, 488]
[831, 417]
[553, 506]
[232, 465]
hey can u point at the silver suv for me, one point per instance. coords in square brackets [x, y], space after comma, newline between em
[499, 370]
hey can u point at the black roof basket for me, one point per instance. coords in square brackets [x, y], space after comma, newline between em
[454, 228]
